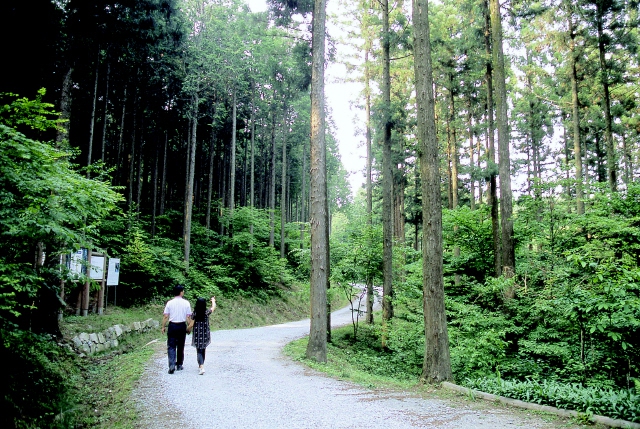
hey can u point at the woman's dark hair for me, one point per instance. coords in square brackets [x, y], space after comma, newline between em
[201, 309]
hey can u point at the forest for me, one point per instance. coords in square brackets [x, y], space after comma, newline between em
[499, 216]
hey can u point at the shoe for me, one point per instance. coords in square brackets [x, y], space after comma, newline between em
[201, 371]
[180, 368]
[172, 369]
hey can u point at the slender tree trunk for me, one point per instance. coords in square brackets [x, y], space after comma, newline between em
[478, 147]
[455, 161]
[155, 193]
[472, 200]
[437, 364]
[65, 107]
[283, 185]
[212, 152]
[120, 162]
[191, 154]
[132, 154]
[628, 165]
[367, 90]
[93, 118]
[450, 178]
[317, 345]
[232, 162]
[303, 198]
[387, 175]
[163, 182]
[104, 114]
[139, 174]
[272, 193]
[504, 166]
[491, 162]
[252, 180]
[612, 167]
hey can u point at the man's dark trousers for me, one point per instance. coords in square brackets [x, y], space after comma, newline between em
[176, 335]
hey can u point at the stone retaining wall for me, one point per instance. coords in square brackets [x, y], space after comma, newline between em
[85, 343]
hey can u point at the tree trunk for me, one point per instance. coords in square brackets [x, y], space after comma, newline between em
[191, 154]
[612, 168]
[478, 146]
[132, 155]
[252, 180]
[232, 162]
[472, 200]
[317, 345]
[283, 185]
[272, 193]
[155, 193]
[303, 190]
[367, 90]
[491, 162]
[212, 152]
[65, 108]
[104, 114]
[437, 364]
[504, 166]
[93, 119]
[163, 182]
[387, 175]
[119, 162]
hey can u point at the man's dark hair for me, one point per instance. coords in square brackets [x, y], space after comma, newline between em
[177, 289]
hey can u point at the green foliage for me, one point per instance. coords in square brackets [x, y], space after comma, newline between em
[617, 404]
[43, 199]
[241, 261]
[34, 114]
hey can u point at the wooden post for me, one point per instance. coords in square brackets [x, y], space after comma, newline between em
[63, 261]
[85, 293]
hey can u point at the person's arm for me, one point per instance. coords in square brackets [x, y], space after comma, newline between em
[213, 303]
[165, 319]
[190, 321]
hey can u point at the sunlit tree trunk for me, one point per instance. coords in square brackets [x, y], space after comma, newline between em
[191, 154]
[317, 345]
[491, 162]
[387, 174]
[437, 364]
[367, 90]
[504, 165]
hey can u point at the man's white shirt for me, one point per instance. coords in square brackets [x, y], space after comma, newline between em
[178, 309]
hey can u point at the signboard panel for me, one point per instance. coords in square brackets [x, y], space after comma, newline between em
[77, 260]
[97, 267]
[113, 273]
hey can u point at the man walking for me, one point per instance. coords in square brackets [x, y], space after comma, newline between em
[176, 312]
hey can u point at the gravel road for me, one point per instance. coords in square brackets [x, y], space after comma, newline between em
[249, 384]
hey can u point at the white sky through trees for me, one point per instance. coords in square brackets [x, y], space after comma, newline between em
[339, 96]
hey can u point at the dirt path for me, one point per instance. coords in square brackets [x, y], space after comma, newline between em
[250, 384]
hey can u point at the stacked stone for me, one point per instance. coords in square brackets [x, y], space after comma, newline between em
[89, 344]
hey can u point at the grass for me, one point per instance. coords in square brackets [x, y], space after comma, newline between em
[355, 362]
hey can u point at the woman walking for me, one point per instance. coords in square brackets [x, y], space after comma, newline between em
[201, 337]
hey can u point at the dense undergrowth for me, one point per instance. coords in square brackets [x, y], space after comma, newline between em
[568, 321]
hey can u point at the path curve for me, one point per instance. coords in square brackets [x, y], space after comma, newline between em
[249, 383]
